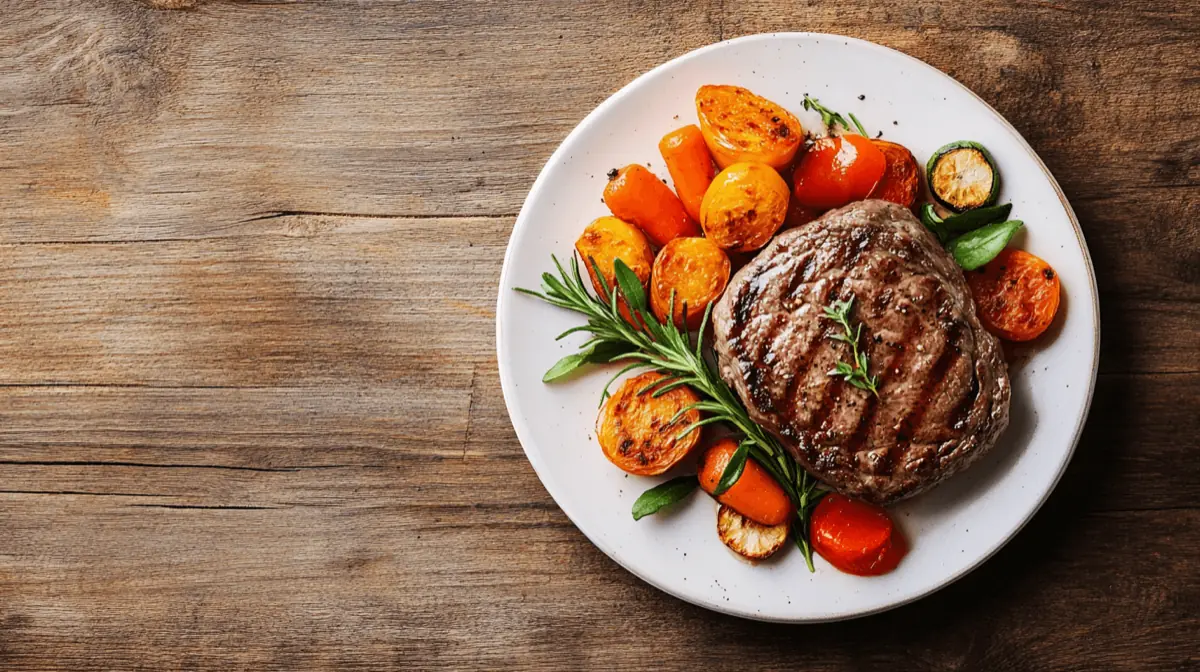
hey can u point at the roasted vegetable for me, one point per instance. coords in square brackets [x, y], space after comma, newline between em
[742, 127]
[690, 164]
[745, 205]
[963, 176]
[837, 170]
[693, 273]
[753, 493]
[747, 538]
[976, 248]
[1017, 294]
[856, 537]
[606, 240]
[635, 427]
[901, 182]
[636, 196]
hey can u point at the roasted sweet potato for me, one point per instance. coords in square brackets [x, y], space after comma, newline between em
[690, 164]
[901, 181]
[608, 239]
[744, 206]
[1017, 294]
[635, 430]
[740, 126]
[696, 270]
[751, 540]
[636, 196]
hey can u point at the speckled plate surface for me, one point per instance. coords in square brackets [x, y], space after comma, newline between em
[953, 528]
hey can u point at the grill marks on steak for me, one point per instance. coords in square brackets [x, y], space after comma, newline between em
[943, 395]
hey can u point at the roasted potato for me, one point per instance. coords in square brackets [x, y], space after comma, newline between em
[635, 430]
[739, 126]
[751, 540]
[696, 270]
[608, 239]
[744, 206]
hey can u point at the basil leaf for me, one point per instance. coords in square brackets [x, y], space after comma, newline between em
[631, 287]
[601, 353]
[930, 219]
[733, 470]
[973, 219]
[664, 494]
[974, 249]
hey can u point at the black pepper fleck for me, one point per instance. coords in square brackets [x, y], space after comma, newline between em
[861, 97]
[612, 174]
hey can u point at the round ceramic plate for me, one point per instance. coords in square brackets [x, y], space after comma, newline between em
[952, 528]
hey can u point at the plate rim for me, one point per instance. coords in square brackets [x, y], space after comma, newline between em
[523, 433]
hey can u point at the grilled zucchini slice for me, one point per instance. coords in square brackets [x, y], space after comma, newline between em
[751, 540]
[962, 176]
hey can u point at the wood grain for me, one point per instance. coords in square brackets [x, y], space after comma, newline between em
[250, 415]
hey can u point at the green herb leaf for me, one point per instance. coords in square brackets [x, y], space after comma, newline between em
[973, 219]
[600, 353]
[829, 117]
[974, 249]
[653, 500]
[856, 374]
[733, 470]
[631, 287]
[937, 225]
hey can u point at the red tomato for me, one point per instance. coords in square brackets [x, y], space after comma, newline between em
[856, 537]
[838, 170]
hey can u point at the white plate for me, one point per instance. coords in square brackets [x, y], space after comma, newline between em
[953, 528]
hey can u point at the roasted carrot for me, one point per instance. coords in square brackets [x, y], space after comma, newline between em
[635, 195]
[901, 182]
[856, 537]
[1017, 294]
[690, 164]
[755, 494]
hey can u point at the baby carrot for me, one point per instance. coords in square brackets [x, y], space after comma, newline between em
[690, 164]
[755, 495]
[635, 195]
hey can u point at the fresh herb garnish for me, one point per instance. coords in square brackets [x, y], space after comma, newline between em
[662, 495]
[664, 347]
[856, 373]
[974, 249]
[829, 117]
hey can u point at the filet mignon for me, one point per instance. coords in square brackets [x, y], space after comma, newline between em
[943, 384]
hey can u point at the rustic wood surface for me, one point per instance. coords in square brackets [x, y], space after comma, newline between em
[250, 415]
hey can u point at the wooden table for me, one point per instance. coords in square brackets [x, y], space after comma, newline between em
[250, 415]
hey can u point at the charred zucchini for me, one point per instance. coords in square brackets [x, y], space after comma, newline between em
[962, 176]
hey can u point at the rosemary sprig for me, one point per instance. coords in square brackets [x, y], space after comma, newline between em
[855, 373]
[829, 117]
[666, 348]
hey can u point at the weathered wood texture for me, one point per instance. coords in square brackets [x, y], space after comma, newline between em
[249, 409]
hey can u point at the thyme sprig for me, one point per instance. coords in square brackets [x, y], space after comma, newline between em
[664, 347]
[829, 117]
[854, 373]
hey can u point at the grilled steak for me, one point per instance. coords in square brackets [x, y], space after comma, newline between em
[943, 384]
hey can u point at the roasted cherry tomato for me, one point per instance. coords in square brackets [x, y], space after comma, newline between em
[1017, 294]
[837, 170]
[856, 537]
